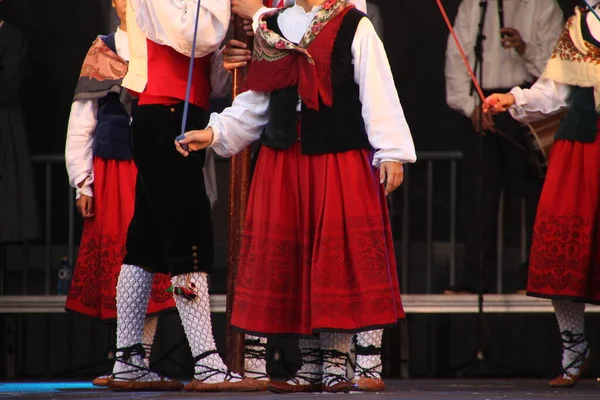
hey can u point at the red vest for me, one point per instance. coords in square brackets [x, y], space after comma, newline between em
[277, 4]
[167, 77]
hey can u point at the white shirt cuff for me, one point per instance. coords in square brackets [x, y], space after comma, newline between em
[85, 190]
[516, 110]
[394, 155]
[217, 144]
[520, 99]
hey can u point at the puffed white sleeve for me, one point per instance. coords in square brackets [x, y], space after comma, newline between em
[241, 124]
[172, 22]
[545, 98]
[78, 149]
[382, 112]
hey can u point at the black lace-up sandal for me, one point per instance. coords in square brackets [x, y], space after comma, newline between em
[368, 379]
[257, 351]
[231, 382]
[336, 383]
[582, 360]
[303, 381]
[138, 377]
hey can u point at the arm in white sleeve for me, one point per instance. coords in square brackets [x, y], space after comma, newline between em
[78, 150]
[382, 112]
[172, 22]
[549, 24]
[220, 78]
[241, 124]
[545, 98]
[458, 82]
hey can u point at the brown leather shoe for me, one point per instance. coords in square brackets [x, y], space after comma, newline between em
[571, 380]
[342, 387]
[102, 381]
[245, 385]
[369, 384]
[263, 384]
[163, 385]
[284, 387]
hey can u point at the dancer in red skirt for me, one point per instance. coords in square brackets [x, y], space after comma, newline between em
[565, 263]
[317, 258]
[368, 365]
[100, 167]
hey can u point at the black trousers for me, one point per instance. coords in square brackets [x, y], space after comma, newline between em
[171, 229]
[504, 166]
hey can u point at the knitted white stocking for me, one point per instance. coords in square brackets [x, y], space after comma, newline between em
[133, 292]
[368, 354]
[255, 358]
[335, 348]
[194, 312]
[150, 324]
[571, 323]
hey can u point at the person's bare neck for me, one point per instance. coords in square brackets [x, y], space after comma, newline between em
[309, 4]
[123, 27]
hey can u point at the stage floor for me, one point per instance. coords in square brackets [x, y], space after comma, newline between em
[414, 389]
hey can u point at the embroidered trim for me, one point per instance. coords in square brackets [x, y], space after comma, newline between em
[574, 60]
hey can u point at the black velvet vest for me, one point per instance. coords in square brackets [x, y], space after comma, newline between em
[331, 129]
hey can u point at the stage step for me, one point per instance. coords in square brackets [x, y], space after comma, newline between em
[413, 304]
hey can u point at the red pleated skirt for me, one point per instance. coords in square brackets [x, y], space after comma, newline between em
[102, 247]
[565, 253]
[317, 251]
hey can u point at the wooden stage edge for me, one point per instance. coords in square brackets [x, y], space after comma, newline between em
[413, 304]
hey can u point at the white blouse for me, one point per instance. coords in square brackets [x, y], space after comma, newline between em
[546, 97]
[387, 129]
[82, 124]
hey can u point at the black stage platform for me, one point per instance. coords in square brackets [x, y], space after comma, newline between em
[414, 389]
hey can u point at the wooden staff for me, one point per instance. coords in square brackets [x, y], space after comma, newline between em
[239, 185]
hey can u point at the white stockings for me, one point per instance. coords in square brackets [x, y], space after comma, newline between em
[368, 354]
[133, 292]
[195, 317]
[571, 323]
[255, 358]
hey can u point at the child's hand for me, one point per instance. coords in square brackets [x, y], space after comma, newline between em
[85, 205]
[195, 140]
[392, 173]
[236, 55]
[498, 102]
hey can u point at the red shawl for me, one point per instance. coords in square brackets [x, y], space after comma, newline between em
[278, 63]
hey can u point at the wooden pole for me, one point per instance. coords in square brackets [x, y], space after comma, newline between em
[239, 185]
